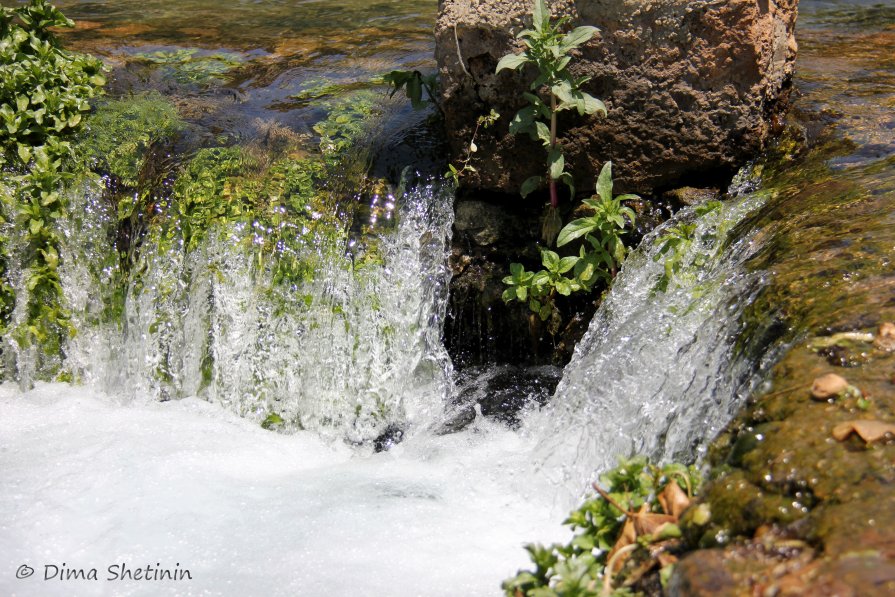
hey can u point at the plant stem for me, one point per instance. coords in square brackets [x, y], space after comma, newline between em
[554, 199]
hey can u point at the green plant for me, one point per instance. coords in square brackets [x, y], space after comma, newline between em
[547, 49]
[602, 230]
[188, 67]
[414, 83]
[44, 93]
[633, 520]
[675, 245]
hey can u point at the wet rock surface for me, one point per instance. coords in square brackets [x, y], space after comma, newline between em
[803, 482]
[692, 88]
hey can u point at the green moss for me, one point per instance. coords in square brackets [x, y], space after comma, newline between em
[119, 138]
[190, 66]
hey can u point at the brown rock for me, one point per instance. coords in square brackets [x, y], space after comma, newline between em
[691, 87]
[828, 386]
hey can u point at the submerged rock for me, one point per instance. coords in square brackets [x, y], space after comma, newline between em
[692, 87]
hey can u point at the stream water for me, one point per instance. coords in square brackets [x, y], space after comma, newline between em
[137, 468]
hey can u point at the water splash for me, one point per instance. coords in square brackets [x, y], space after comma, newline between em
[657, 373]
[351, 352]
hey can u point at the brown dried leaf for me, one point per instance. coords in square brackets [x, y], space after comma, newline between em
[666, 559]
[674, 500]
[647, 523]
[829, 385]
[627, 537]
[867, 430]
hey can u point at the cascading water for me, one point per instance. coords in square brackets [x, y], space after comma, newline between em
[657, 373]
[352, 352]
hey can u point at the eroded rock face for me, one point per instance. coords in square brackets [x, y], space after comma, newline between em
[692, 87]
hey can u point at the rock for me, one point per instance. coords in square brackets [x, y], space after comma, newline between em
[828, 386]
[692, 87]
[885, 336]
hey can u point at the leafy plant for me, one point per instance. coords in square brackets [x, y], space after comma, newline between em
[44, 93]
[634, 519]
[414, 83]
[554, 89]
[676, 244]
[602, 231]
[187, 66]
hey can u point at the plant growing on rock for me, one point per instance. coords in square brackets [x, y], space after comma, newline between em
[44, 93]
[602, 230]
[554, 89]
[623, 533]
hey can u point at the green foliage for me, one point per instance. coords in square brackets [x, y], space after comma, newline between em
[119, 137]
[598, 257]
[413, 83]
[675, 246]
[602, 230]
[187, 66]
[547, 49]
[44, 93]
[347, 121]
[281, 209]
[578, 568]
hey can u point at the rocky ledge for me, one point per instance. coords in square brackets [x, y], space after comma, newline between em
[693, 88]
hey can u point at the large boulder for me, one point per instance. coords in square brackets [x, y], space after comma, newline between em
[693, 87]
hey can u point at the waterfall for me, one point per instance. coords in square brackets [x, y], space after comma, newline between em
[352, 352]
[657, 373]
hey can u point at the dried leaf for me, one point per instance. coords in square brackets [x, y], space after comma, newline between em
[828, 386]
[674, 500]
[627, 537]
[867, 430]
[666, 559]
[647, 523]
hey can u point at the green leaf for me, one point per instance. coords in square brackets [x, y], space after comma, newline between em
[604, 182]
[521, 293]
[557, 162]
[543, 133]
[508, 295]
[511, 61]
[567, 263]
[549, 259]
[530, 185]
[592, 105]
[575, 229]
[545, 312]
[577, 36]
[540, 16]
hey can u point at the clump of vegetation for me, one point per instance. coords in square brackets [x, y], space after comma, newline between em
[623, 533]
[598, 258]
[44, 94]
[187, 66]
[554, 89]
[484, 121]
[675, 246]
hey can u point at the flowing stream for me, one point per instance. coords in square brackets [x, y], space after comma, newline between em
[155, 455]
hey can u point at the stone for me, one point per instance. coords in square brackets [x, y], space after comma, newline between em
[693, 88]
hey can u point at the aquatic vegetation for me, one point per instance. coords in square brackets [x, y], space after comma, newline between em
[675, 245]
[627, 530]
[120, 136]
[188, 66]
[44, 94]
[547, 49]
